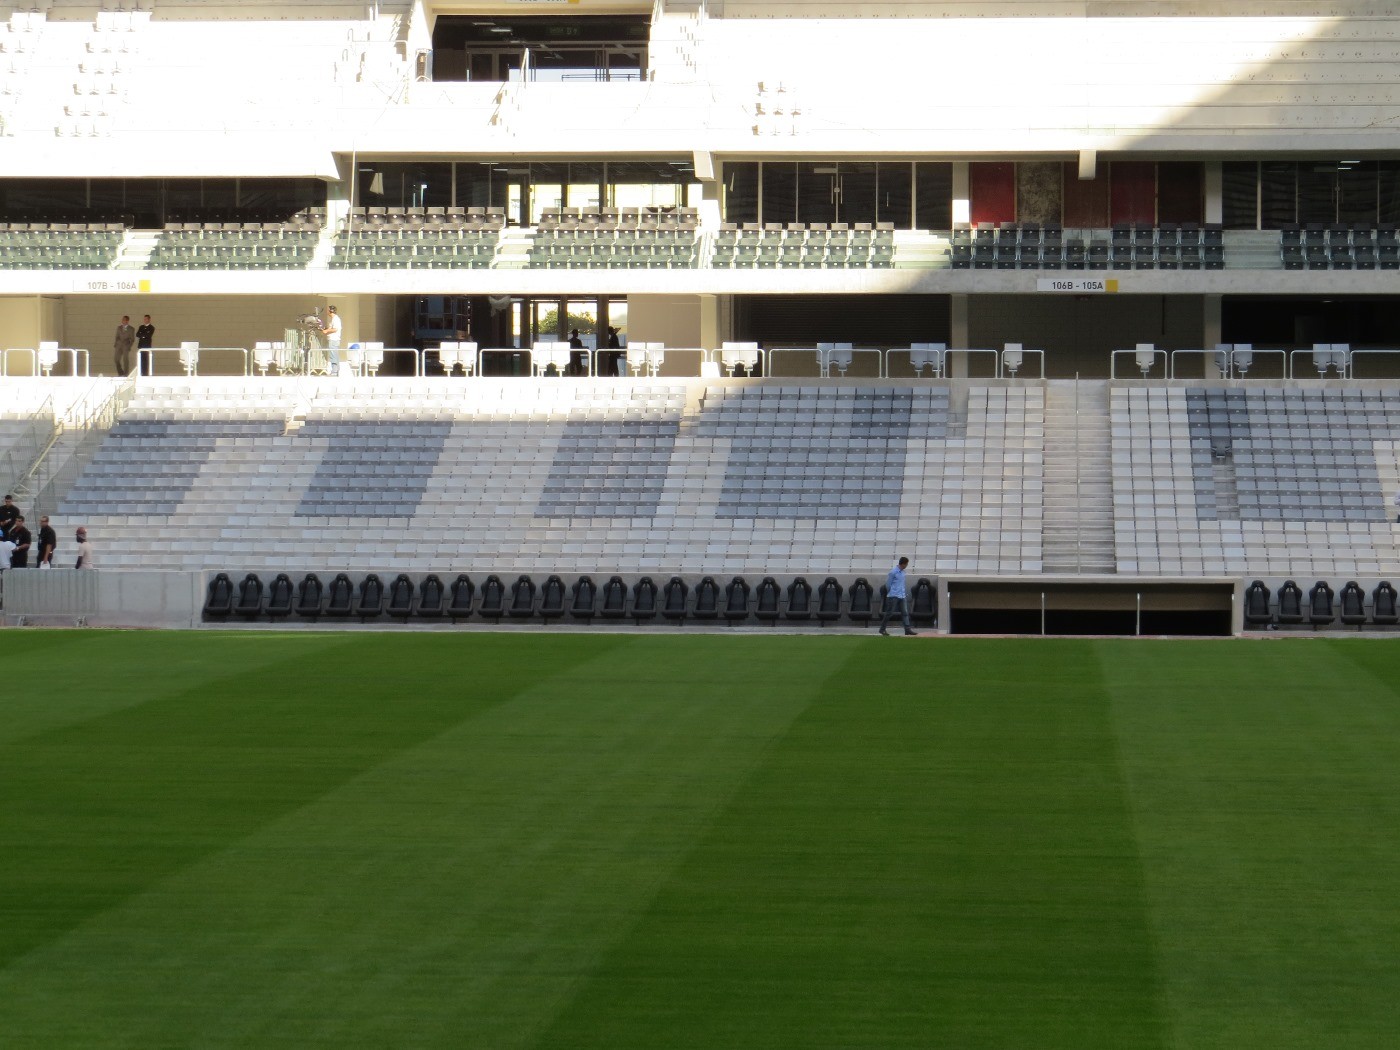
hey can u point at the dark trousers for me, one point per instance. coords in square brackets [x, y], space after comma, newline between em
[891, 604]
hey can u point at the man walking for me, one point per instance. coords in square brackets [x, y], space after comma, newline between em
[895, 598]
[122, 343]
[48, 543]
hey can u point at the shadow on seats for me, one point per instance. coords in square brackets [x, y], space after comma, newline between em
[280, 596]
[371, 600]
[461, 594]
[219, 601]
[430, 595]
[309, 594]
[250, 597]
[585, 603]
[400, 605]
[644, 599]
[552, 598]
[736, 600]
[674, 599]
[341, 599]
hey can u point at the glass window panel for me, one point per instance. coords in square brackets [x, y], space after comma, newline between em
[1389, 193]
[816, 192]
[933, 188]
[474, 186]
[546, 188]
[895, 195]
[1317, 192]
[779, 192]
[741, 191]
[1278, 193]
[1240, 195]
[1358, 192]
[28, 199]
[394, 185]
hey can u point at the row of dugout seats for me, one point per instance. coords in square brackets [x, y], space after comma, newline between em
[675, 600]
[1322, 607]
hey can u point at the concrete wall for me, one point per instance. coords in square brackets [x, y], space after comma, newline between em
[675, 320]
[106, 599]
[1079, 333]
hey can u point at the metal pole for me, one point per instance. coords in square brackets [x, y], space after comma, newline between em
[1042, 614]
[1137, 629]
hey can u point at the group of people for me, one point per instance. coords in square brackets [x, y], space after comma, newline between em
[608, 364]
[142, 337]
[17, 542]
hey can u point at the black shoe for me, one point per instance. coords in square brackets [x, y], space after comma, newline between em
[884, 632]
[907, 633]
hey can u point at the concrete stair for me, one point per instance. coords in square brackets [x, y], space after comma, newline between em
[1077, 528]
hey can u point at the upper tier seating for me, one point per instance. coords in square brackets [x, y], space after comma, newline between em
[1031, 246]
[858, 245]
[418, 238]
[619, 238]
[239, 244]
[59, 245]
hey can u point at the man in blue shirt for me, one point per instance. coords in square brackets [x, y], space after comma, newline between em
[895, 598]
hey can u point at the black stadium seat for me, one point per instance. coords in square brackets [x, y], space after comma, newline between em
[829, 601]
[706, 599]
[522, 598]
[1321, 608]
[1353, 604]
[400, 598]
[766, 600]
[309, 594]
[674, 599]
[799, 595]
[340, 601]
[460, 596]
[219, 601]
[280, 596]
[1384, 610]
[923, 603]
[1256, 605]
[862, 600]
[250, 596]
[552, 598]
[614, 599]
[644, 599]
[736, 600]
[371, 599]
[493, 599]
[1290, 603]
[585, 603]
[430, 595]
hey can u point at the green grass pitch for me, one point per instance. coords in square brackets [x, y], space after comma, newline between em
[657, 841]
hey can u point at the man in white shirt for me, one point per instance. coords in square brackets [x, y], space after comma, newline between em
[333, 330]
[84, 551]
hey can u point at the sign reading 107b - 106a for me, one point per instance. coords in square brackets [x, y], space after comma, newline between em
[1077, 285]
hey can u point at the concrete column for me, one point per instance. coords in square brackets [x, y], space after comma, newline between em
[1215, 182]
[962, 193]
[715, 320]
[957, 333]
[1210, 326]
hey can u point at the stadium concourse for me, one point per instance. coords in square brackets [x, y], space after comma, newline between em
[1000, 491]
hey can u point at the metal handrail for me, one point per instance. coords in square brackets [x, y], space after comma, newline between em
[93, 416]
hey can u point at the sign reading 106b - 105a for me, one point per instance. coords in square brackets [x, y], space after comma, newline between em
[1077, 285]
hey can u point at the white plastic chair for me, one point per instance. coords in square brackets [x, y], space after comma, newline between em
[263, 357]
[840, 358]
[1012, 357]
[48, 357]
[927, 355]
[189, 358]
[732, 355]
[1145, 357]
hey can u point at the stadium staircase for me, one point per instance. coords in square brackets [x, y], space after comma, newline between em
[1077, 528]
[136, 250]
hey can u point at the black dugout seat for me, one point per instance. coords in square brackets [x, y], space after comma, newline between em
[219, 601]
[250, 597]
[309, 595]
[280, 596]
[430, 595]
[400, 598]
